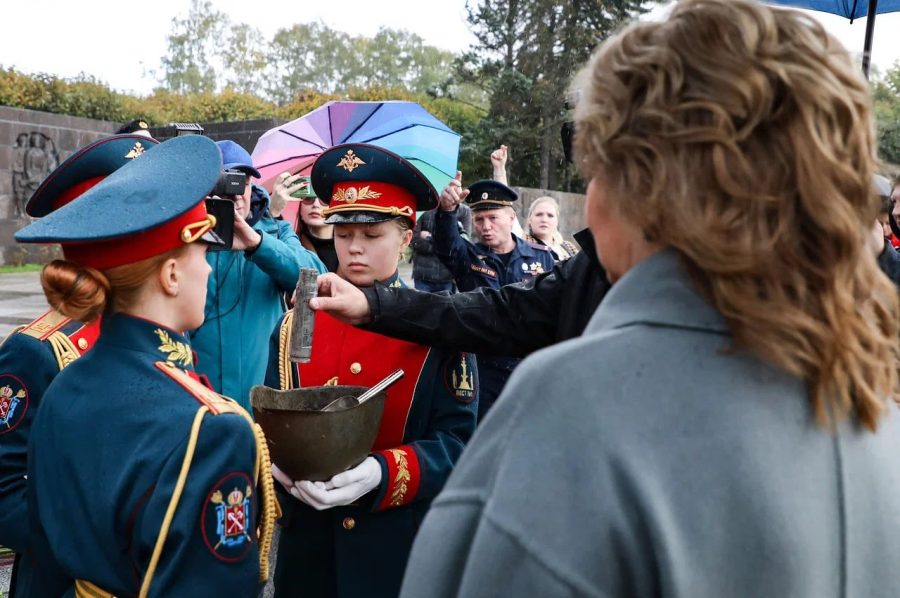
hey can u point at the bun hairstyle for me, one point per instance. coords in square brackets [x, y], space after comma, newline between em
[84, 293]
[743, 137]
[75, 291]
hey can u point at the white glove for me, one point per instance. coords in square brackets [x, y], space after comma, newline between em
[342, 489]
[286, 482]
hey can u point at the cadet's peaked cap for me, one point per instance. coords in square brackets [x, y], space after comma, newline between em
[364, 183]
[490, 195]
[84, 169]
[150, 206]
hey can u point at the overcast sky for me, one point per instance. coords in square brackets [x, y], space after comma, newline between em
[122, 42]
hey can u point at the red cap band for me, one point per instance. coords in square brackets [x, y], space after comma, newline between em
[74, 191]
[130, 249]
[371, 196]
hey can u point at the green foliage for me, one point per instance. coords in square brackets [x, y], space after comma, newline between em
[526, 55]
[188, 66]
[886, 96]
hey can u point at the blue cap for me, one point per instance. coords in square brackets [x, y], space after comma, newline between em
[151, 205]
[490, 195]
[235, 157]
[84, 169]
[364, 183]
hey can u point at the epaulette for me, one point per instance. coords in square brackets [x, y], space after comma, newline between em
[45, 325]
[216, 403]
[538, 246]
[48, 328]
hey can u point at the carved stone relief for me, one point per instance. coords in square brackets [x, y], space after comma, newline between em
[34, 157]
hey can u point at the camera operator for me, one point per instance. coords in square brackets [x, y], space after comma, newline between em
[247, 284]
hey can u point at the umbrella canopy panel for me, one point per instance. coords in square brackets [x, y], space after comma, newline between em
[851, 9]
[404, 128]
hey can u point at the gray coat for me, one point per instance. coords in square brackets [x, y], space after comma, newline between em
[643, 460]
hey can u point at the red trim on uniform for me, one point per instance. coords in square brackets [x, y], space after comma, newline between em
[74, 191]
[161, 366]
[390, 195]
[129, 249]
[404, 475]
[338, 346]
[89, 332]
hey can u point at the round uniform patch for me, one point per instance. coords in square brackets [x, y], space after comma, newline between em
[13, 402]
[227, 517]
[460, 378]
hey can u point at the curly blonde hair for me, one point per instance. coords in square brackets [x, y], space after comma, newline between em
[743, 137]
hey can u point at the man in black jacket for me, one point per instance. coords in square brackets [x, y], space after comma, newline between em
[514, 320]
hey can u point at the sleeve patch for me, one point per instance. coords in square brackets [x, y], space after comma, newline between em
[13, 402]
[461, 377]
[227, 517]
[484, 270]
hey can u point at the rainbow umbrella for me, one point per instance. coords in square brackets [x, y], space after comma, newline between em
[405, 128]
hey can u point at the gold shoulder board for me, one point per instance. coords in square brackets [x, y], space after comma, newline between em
[216, 403]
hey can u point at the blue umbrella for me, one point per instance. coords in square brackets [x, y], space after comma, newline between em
[851, 9]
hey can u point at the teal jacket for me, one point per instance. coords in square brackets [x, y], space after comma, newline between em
[244, 301]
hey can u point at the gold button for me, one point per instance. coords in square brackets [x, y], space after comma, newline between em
[355, 368]
[349, 523]
[82, 344]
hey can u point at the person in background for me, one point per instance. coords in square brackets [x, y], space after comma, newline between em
[429, 273]
[543, 228]
[32, 355]
[314, 234]
[247, 286]
[498, 169]
[499, 259]
[350, 536]
[137, 126]
[728, 423]
[142, 481]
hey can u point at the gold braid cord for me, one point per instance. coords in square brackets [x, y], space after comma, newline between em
[85, 589]
[284, 353]
[173, 502]
[271, 511]
[63, 348]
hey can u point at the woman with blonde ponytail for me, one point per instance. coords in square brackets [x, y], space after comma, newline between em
[727, 425]
[144, 482]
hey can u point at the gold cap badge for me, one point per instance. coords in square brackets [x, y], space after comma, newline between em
[350, 161]
[137, 150]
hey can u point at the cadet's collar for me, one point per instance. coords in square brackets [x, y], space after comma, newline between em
[656, 291]
[157, 341]
[394, 281]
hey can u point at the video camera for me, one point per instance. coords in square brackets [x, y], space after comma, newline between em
[230, 183]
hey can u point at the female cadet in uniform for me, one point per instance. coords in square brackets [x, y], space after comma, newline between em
[353, 534]
[32, 355]
[727, 424]
[143, 481]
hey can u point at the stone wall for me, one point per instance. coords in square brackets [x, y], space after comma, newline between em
[32, 144]
[243, 132]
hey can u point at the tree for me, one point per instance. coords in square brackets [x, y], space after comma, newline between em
[886, 95]
[189, 65]
[526, 55]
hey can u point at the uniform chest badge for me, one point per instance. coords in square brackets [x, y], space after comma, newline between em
[227, 520]
[13, 402]
[460, 377]
[534, 268]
